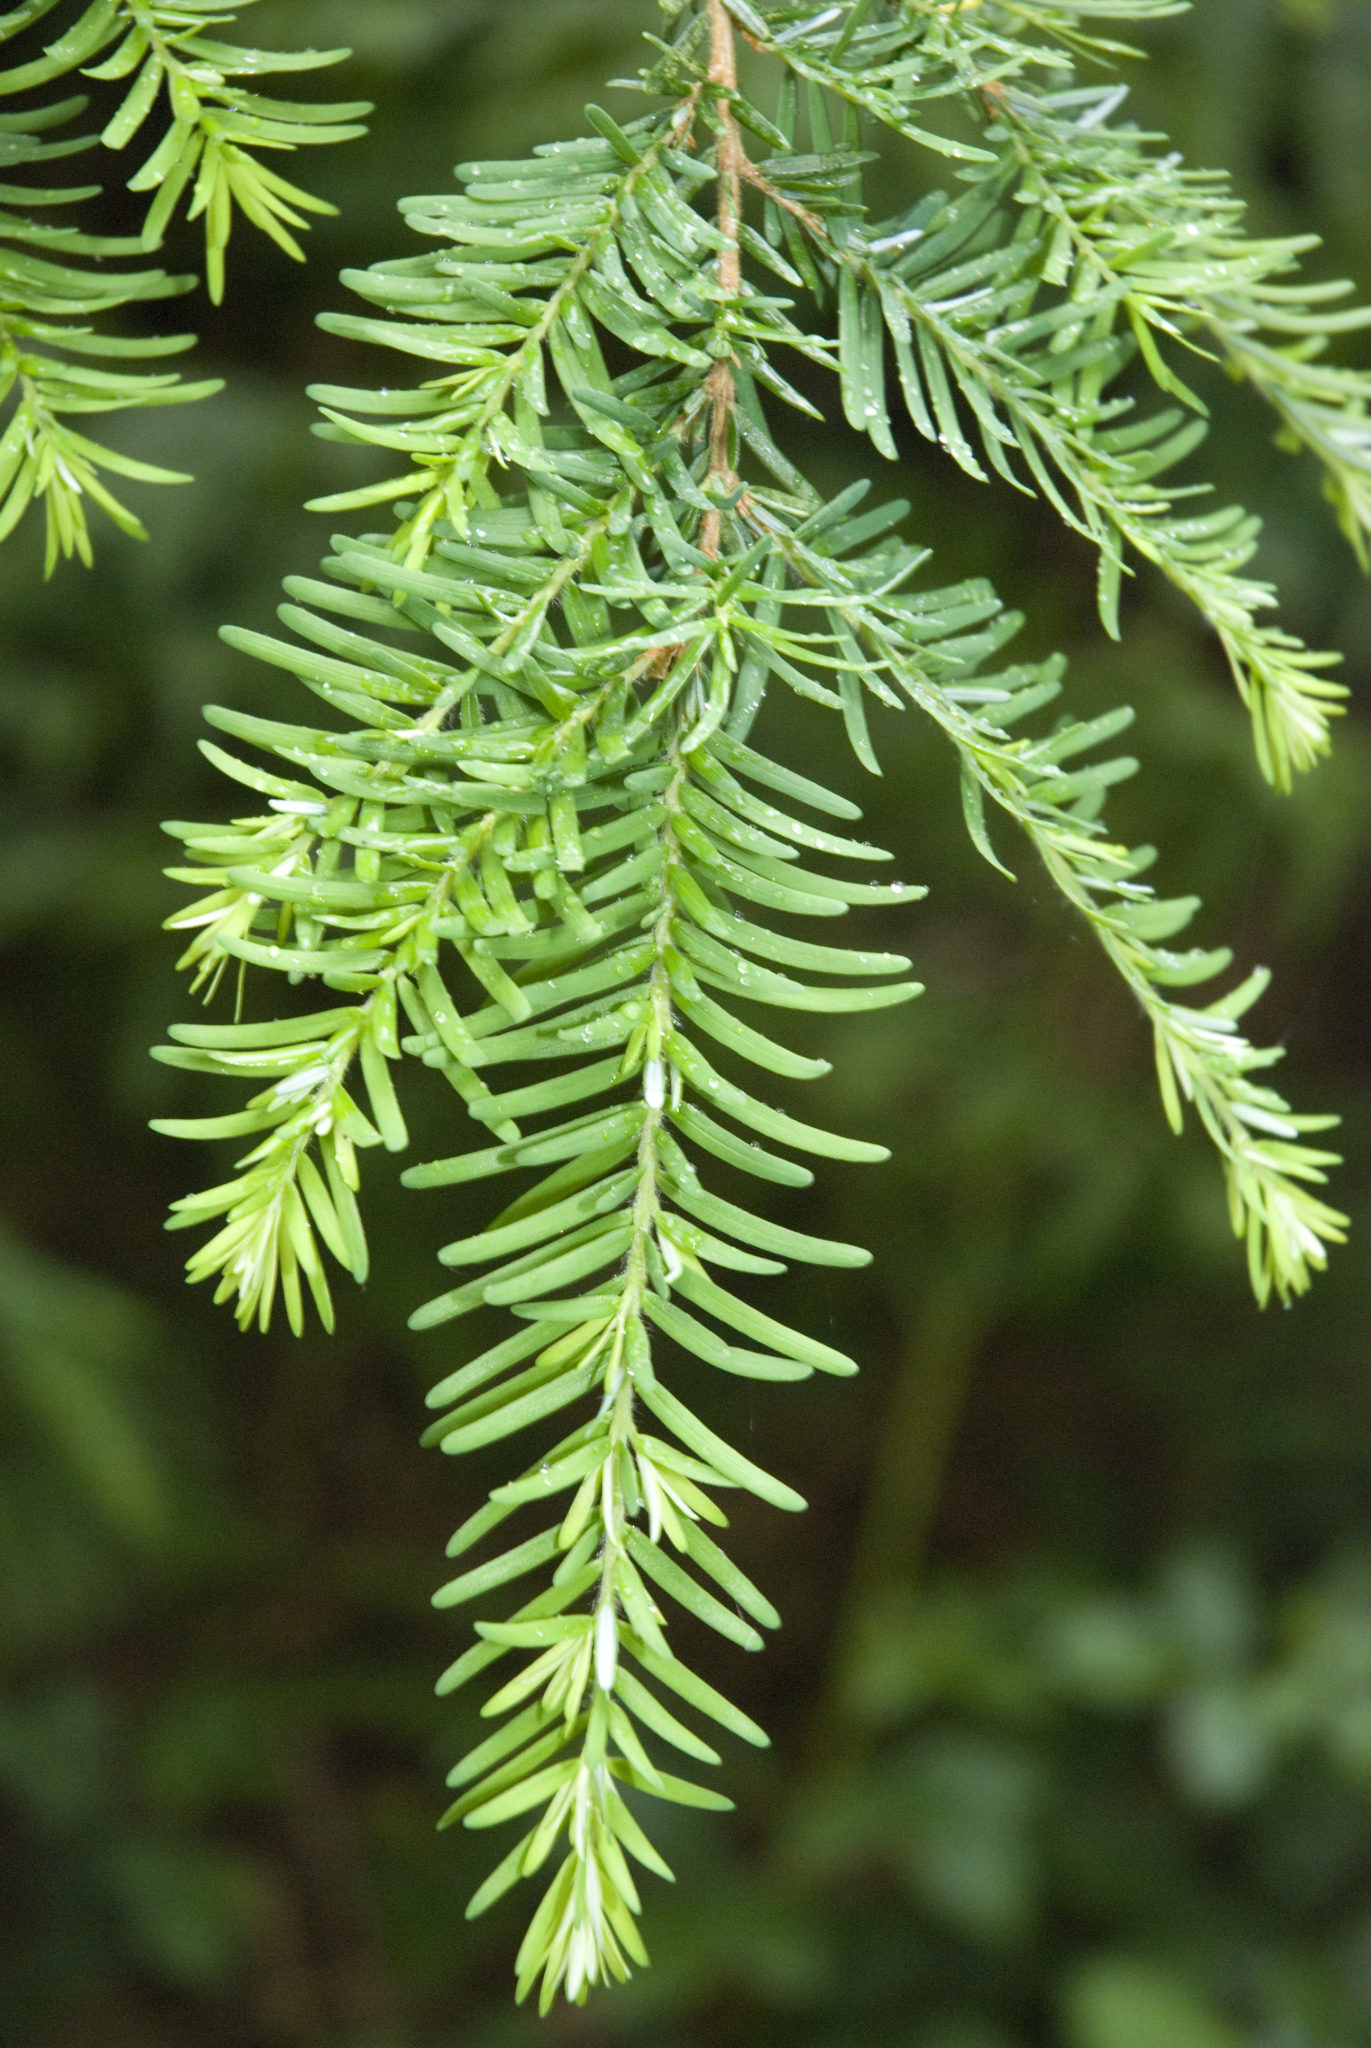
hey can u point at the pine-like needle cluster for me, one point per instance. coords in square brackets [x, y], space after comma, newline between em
[56, 365]
[529, 839]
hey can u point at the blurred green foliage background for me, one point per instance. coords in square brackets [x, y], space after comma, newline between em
[1072, 1709]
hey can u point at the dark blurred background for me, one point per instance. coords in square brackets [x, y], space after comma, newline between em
[1072, 1708]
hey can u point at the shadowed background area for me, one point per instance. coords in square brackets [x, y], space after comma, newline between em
[1072, 1707]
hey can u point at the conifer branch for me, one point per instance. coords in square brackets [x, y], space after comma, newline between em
[50, 301]
[537, 835]
[1079, 248]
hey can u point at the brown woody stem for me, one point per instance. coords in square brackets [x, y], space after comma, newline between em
[723, 76]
